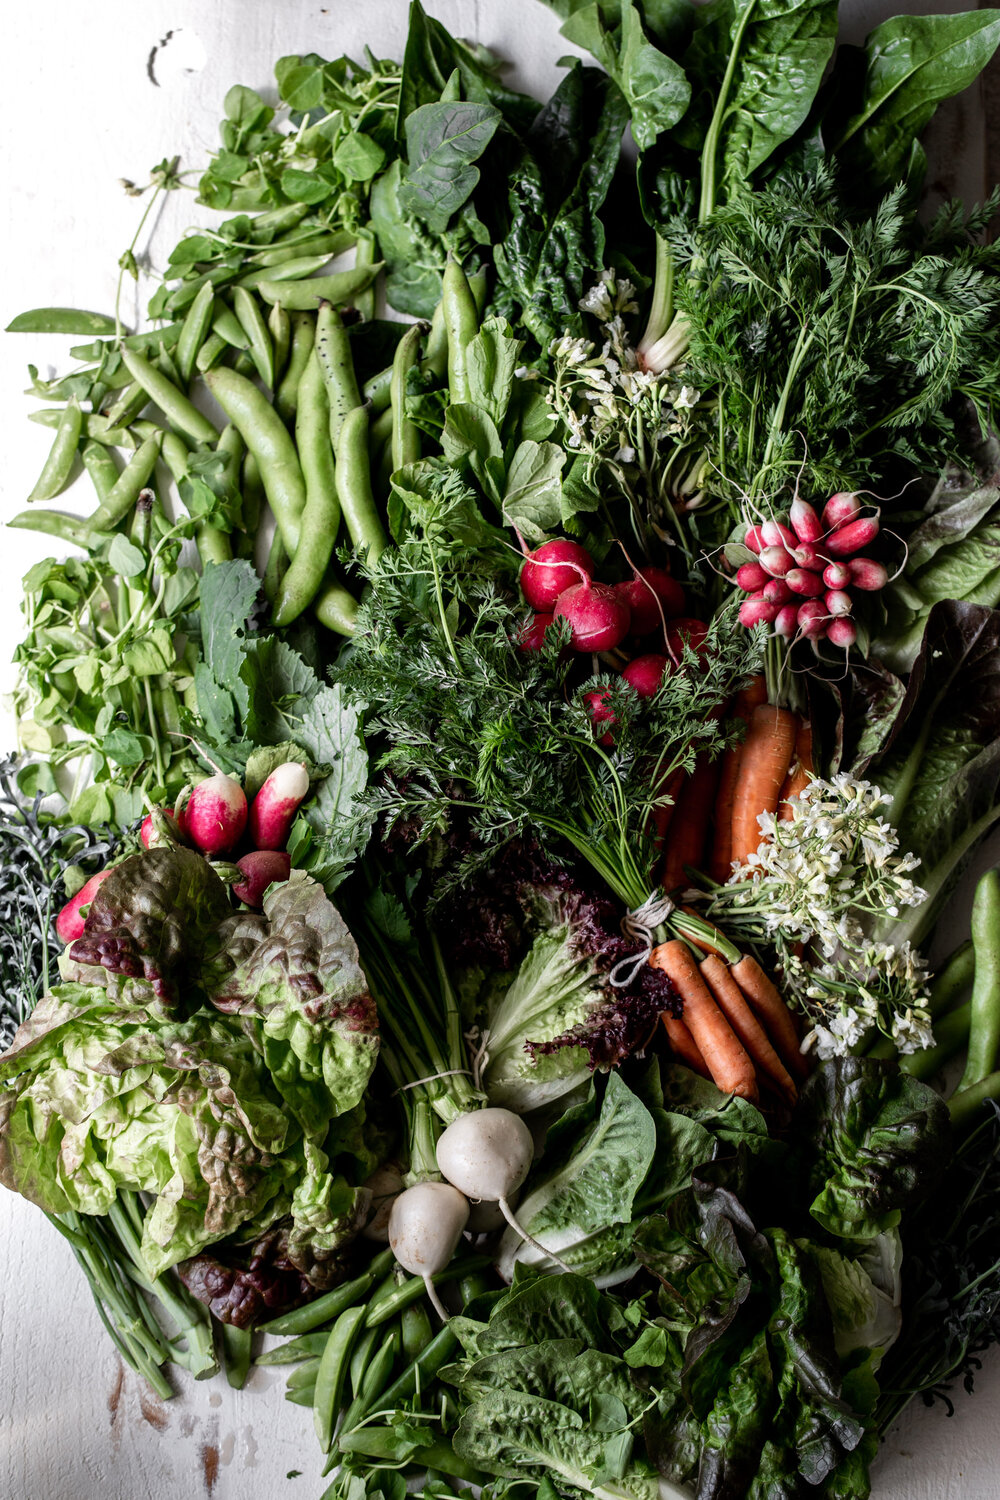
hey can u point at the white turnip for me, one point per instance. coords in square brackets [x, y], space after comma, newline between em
[425, 1226]
[385, 1185]
[275, 805]
[215, 815]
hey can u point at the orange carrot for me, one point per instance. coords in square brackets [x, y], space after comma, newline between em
[682, 1043]
[771, 1011]
[689, 825]
[767, 754]
[798, 777]
[725, 1056]
[743, 706]
[663, 814]
[731, 1001]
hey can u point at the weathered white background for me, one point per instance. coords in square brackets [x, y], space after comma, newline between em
[83, 111]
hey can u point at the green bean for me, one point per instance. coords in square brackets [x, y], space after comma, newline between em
[266, 437]
[423, 1369]
[416, 1330]
[305, 296]
[333, 349]
[101, 467]
[59, 465]
[308, 1346]
[984, 1032]
[179, 411]
[376, 390]
[55, 523]
[313, 1314]
[60, 320]
[950, 1033]
[289, 270]
[228, 326]
[331, 1372]
[210, 352]
[366, 255]
[405, 436]
[363, 1351]
[321, 516]
[337, 609]
[279, 326]
[305, 1374]
[124, 493]
[303, 338]
[355, 488]
[461, 324]
[376, 1377]
[194, 331]
[236, 1343]
[413, 1289]
[253, 325]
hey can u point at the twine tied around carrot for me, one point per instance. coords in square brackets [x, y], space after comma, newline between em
[641, 925]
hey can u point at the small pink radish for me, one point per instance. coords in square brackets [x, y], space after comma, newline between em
[852, 536]
[786, 621]
[804, 521]
[645, 674]
[757, 611]
[837, 575]
[215, 814]
[808, 557]
[598, 618]
[70, 921]
[261, 868]
[813, 618]
[754, 539]
[275, 805]
[751, 577]
[776, 591]
[531, 636]
[867, 574]
[553, 568]
[838, 602]
[777, 561]
[600, 713]
[841, 633]
[652, 596]
[777, 534]
[840, 508]
[147, 833]
[805, 583]
[686, 631]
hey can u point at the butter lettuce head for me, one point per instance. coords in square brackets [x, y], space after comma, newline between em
[217, 1061]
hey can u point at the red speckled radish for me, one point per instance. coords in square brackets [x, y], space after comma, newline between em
[260, 868]
[757, 611]
[531, 636]
[553, 568]
[852, 537]
[215, 815]
[645, 673]
[70, 922]
[842, 633]
[804, 521]
[273, 810]
[805, 583]
[836, 575]
[840, 508]
[425, 1226]
[751, 577]
[867, 575]
[598, 618]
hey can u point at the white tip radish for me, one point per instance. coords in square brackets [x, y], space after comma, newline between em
[839, 603]
[837, 575]
[842, 633]
[840, 508]
[754, 539]
[275, 805]
[425, 1226]
[805, 522]
[600, 713]
[786, 621]
[487, 1154]
[777, 561]
[260, 868]
[215, 815]
[553, 568]
[777, 534]
[70, 921]
[812, 618]
[598, 617]
[852, 537]
[867, 575]
[776, 591]
[804, 582]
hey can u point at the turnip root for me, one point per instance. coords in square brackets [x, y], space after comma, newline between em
[553, 568]
[425, 1226]
[215, 815]
[260, 868]
[70, 922]
[275, 805]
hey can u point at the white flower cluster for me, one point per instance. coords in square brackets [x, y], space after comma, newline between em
[883, 986]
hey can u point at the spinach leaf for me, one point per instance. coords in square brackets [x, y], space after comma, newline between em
[655, 86]
[430, 59]
[442, 142]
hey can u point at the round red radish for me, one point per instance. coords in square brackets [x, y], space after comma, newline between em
[838, 602]
[776, 591]
[841, 633]
[553, 568]
[813, 618]
[531, 636]
[786, 621]
[777, 534]
[852, 536]
[215, 815]
[840, 508]
[751, 577]
[261, 868]
[804, 521]
[776, 561]
[70, 921]
[645, 674]
[652, 596]
[275, 805]
[804, 582]
[867, 575]
[147, 832]
[808, 557]
[754, 539]
[686, 632]
[598, 617]
[836, 575]
[600, 713]
[757, 611]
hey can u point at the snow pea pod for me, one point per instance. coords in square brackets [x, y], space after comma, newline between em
[303, 338]
[125, 492]
[332, 1370]
[305, 1373]
[101, 467]
[193, 332]
[253, 325]
[267, 438]
[179, 411]
[314, 1314]
[333, 349]
[984, 1031]
[61, 320]
[355, 487]
[305, 296]
[59, 465]
[321, 516]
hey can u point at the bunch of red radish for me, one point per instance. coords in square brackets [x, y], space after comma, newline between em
[214, 819]
[805, 569]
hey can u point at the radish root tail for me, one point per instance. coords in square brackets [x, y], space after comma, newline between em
[505, 1209]
[435, 1300]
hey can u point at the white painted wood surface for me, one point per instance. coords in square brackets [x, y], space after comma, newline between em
[82, 111]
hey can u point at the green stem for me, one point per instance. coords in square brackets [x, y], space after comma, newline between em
[965, 1106]
[709, 163]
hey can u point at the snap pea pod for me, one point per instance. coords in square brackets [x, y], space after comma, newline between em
[305, 1374]
[165, 365]
[147, 343]
[243, 364]
[360, 1359]
[333, 349]
[61, 320]
[55, 523]
[416, 1331]
[964, 1105]
[354, 486]
[100, 465]
[380, 432]
[133, 478]
[336, 608]
[461, 322]
[289, 270]
[374, 1381]
[275, 221]
[213, 545]
[58, 465]
[366, 255]
[253, 325]
[405, 436]
[306, 242]
[187, 290]
[178, 409]
[304, 1397]
[332, 1370]
[295, 1351]
[413, 1289]
[173, 451]
[236, 1346]
[210, 352]
[305, 296]
[984, 1031]
[194, 331]
[376, 390]
[383, 1443]
[130, 404]
[303, 338]
[228, 326]
[321, 516]
[95, 427]
[422, 1370]
[315, 1314]
[279, 326]
[435, 360]
[253, 505]
[267, 438]
[274, 570]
